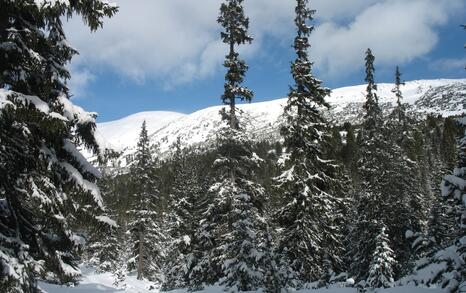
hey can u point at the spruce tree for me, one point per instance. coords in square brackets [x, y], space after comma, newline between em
[233, 220]
[454, 187]
[373, 114]
[381, 268]
[47, 188]
[188, 203]
[448, 264]
[404, 195]
[371, 165]
[306, 185]
[144, 221]
[236, 26]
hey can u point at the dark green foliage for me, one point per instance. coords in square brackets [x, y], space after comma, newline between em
[373, 160]
[349, 152]
[188, 203]
[449, 143]
[234, 220]
[46, 186]
[381, 268]
[144, 223]
[373, 115]
[235, 25]
[308, 209]
[233, 228]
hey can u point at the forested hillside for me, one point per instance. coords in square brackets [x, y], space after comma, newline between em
[363, 189]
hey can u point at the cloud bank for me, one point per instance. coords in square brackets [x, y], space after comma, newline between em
[176, 41]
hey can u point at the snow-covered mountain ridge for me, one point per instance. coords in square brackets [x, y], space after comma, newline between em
[445, 97]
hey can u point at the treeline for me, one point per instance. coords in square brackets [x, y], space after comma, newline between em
[357, 204]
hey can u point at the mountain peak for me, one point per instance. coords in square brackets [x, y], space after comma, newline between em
[440, 96]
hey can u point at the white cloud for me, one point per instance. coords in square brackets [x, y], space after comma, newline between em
[176, 41]
[449, 64]
[398, 31]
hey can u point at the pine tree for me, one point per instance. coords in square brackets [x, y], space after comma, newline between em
[373, 160]
[373, 114]
[104, 247]
[448, 264]
[233, 221]
[307, 213]
[236, 26]
[47, 188]
[440, 226]
[404, 195]
[381, 268]
[188, 202]
[273, 279]
[144, 222]
[454, 187]
[449, 143]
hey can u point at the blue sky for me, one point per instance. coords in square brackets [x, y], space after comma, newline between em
[166, 54]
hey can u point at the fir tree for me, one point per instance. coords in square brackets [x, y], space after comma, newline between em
[307, 213]
[234, 222]
[273, 279]
[454, 187]
[371, 165]
[373, 114]
[236, 25]
[188, 202]
[104, 247]
[47, 188]
[404, 195]
[381, 268]
[146, 233]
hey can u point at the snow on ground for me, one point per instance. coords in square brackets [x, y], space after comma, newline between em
[93, 282]
[101, 283]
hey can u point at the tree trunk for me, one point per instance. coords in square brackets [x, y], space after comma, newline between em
[141, 255]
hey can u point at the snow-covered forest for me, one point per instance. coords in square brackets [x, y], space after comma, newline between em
[359, 190]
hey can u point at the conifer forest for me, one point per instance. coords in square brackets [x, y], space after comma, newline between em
[368, 200]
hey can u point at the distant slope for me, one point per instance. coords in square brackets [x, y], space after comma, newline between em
[444, 97]
[123, 133]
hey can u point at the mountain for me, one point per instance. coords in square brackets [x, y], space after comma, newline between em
[123, 133]
[446, 97]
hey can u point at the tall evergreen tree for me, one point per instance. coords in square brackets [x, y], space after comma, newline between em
[188, 203]
[236, 26]
[373, 114]
[381, 268]
[234, 218]
[454, 187]
[308, 207]
[144, 222]
[404, 195]
[371, 165]
[46, 186]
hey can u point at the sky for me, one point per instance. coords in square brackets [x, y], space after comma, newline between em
[166, 55]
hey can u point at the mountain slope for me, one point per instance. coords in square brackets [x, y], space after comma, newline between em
[124, 133]
[263, 120]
